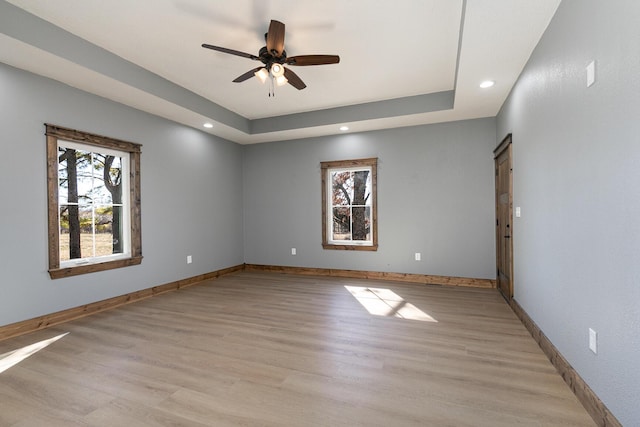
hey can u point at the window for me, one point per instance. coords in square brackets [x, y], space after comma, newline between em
[94, 202]
[349, 216]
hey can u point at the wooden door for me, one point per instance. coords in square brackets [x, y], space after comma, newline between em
[504, 228]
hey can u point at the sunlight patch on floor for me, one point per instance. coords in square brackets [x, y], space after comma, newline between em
[385, 302]
[14, 357]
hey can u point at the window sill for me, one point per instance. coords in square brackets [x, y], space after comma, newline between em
[60, 273]
[350, 247]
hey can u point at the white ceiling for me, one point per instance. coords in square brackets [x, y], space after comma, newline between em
[388, 50]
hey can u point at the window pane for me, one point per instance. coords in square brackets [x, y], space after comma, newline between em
[86, 244]
[85, 184]
[70, 233]
[63, 185]
[100, 194]
[369, 199]
[64, 233]
[361, 187]
[108, 189]
[86, 219]
[361, 223]
[109, 230]
[63, 194]
[77, 172]
[104, 243]
[341, 224]
[115, 168]
[64, 219]
[341, 188]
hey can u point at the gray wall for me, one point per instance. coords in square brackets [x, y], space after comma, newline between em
[435, 194]
[577, 179]
[191, 197]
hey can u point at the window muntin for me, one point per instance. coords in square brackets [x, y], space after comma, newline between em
[105, 202]
[93, 216]
[349, 204]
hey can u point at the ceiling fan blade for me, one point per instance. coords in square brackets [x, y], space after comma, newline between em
[230, 51]
[313, 60]
[294, 80]
[246, 76]
[275, 38]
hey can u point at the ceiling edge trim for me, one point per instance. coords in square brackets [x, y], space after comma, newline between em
[460, 35]
[417, 104]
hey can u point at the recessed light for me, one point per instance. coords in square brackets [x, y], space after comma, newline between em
[208, 125]
[487, 83]
[344, 128]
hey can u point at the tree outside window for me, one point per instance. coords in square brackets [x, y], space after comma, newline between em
[349, 204]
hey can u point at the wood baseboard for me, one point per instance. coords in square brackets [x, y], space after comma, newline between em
[591, 402]
[357, 274]
[41, 322]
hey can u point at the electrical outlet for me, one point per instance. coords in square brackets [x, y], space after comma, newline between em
[418, 256]
[293, 251]
[189, 259]
[591, 73]
[593, 341]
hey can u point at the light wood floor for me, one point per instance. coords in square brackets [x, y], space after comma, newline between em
[255, 349]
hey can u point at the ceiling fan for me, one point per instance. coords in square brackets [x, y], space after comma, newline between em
[274, 58]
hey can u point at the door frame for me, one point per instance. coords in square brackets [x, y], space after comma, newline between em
[505, 145]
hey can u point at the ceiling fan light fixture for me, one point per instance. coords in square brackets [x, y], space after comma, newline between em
[262, 74]
[281, 80]
[277, 70]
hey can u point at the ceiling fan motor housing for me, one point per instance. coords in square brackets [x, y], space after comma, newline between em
[268, 59]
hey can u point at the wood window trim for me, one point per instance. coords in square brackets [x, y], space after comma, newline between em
[54, 133]
[368, 162]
